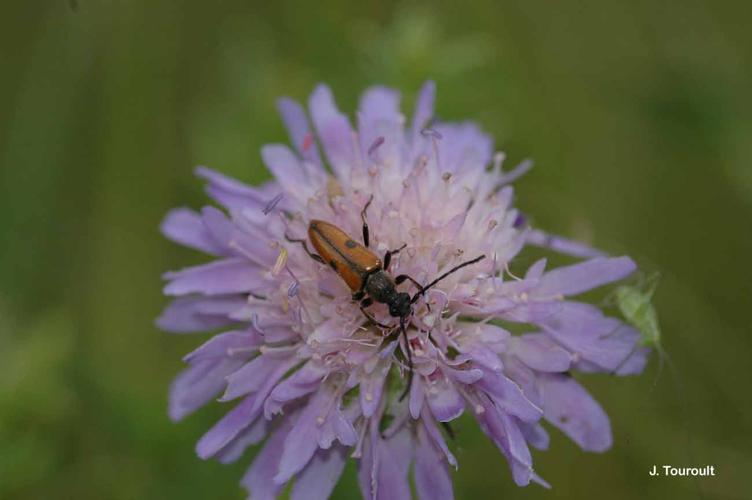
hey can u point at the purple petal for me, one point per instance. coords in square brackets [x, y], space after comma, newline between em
[218, 226]
[296, 121]
[434, 434]
[242, 237]
[535, 271]
[603, 342]
[367, 465]
[320, 422]
[304, 381]
[540, 353]
[384, 476]
[535, 434]
[485, 357]
[318, 479]
[197, 385]
[225, 276]
[445, 401]
[300, 444]
[432, 480]
[184, 226]
[253, 376]
[253, 434]
[237, 343]
[464, 376]
[423, 109]
[230, 192]
[525, 378]
[578, 278]
[530, 312]
[334, 131]
[379, 117]
[463, 147]
[508, 396]
[562, 245]
[371, 386]
[509, 440]
[258, 480]
[568, 406]
[417, 396]
[522, 470]
[238, 418]
[288, 171]
[194, 314]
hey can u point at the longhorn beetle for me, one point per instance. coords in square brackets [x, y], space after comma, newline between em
[367, 276]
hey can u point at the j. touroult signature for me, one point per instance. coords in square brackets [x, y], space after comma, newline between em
[670, 470]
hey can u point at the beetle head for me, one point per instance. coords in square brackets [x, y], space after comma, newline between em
[400, 307]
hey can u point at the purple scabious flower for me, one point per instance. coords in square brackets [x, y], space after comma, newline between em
[313, 381]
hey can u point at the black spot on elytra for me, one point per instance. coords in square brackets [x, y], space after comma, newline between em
[333, 263]
[350, 244]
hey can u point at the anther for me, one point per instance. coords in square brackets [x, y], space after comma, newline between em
[429, 132]
[272, 203]
[281, 261]
[375, 145]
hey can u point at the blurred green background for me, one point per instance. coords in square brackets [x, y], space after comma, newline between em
[638, 115]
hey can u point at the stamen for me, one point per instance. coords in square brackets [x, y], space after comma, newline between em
[494, 270]
[498, 160]
[435, 137]
[272, 203]
[519, 221]
[255, 323]
[378, 142]
[516, 172]
[510, 273]
[281, 262]
[429, 132]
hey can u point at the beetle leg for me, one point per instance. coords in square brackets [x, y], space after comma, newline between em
[409, 385]
[358, 295]
[365, 223]
[368, 302]
[312, 255]
[388, 256]
[404, 277]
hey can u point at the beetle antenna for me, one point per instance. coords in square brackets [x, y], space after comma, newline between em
[454, 269]
[409, 360]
